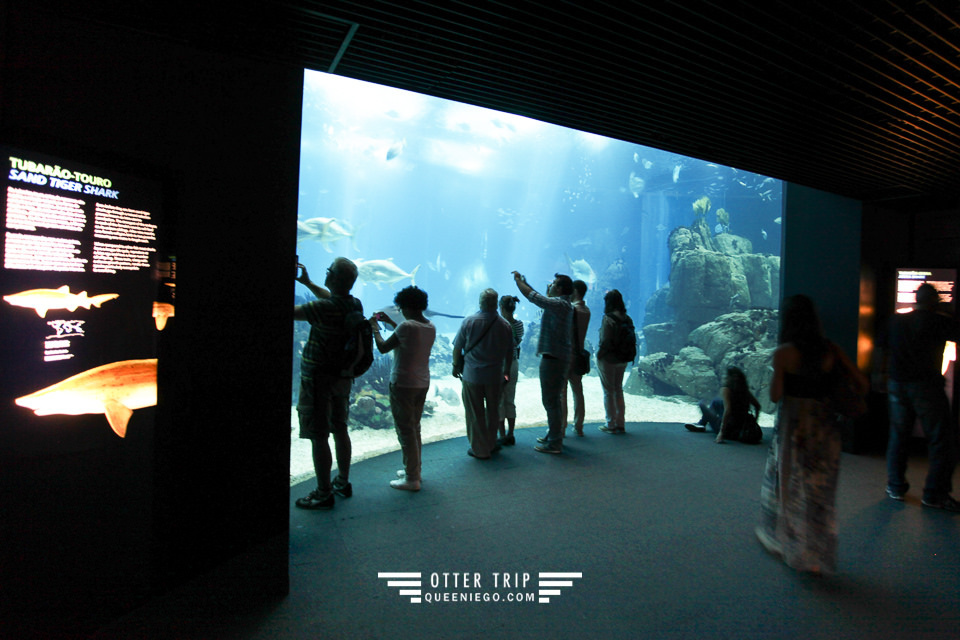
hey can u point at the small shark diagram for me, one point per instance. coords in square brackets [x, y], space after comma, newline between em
[114, 389]
[43, 300]
[162, 311]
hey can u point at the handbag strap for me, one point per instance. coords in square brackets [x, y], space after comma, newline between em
[482, 336]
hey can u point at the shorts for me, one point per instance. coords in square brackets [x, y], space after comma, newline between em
[323, 406]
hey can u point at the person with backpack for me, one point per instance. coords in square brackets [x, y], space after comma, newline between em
[326, 378]
[410, 342]
[618, 348]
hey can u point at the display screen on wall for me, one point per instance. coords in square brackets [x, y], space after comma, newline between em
[81, 305]
[909, 280]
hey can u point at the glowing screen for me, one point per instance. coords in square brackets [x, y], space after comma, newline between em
[80, 302]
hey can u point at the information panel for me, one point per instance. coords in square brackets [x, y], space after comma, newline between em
[81, 303]
[909, 280]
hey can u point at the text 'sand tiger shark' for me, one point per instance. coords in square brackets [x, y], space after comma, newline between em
[114, 389]
[43, 300]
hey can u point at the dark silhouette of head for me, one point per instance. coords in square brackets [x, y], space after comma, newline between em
[509, 303]
[580, 288]
[927, 296]
[411, 297]
[341, 276]
[488, 300]
[800, 326]
[613, 301]
[562, 285]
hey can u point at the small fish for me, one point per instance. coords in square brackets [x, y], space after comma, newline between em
[380, 272]
[676, 173]
[396, 149]
[635, 184]
[114, 389]
[449, 396]
[777, 220]
[763, 232]
[43, 300]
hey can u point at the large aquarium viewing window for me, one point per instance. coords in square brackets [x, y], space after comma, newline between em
[453, 198]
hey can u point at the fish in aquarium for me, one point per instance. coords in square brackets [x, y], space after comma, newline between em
[381, 272]
[326, 231]
[474, 194]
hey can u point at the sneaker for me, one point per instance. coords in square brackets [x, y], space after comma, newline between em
[316, 500]
[405, 485]
[895, 495]
[546, 449]
[507, 441]
[607, 429]
[542, 439]
[695, 428]
[401, 473]
[947, 504]
[341, 487]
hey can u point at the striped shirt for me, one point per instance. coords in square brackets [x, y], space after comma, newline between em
[517, 327]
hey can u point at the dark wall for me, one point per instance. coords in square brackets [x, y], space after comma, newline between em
[87, 535]
[821, 258]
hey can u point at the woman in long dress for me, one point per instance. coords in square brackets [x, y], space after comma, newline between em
[798, 495]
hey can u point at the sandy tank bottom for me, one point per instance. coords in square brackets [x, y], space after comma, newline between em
[447, 420]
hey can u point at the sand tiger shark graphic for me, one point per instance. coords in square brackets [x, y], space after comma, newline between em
[162, 311]
[114, 389]
[43, 300]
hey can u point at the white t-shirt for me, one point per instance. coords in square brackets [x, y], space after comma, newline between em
[411, 358]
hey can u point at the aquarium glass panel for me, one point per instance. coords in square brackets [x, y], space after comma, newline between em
[453, 198]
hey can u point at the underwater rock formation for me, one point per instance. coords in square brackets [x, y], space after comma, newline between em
[719, 310]
[743, 339]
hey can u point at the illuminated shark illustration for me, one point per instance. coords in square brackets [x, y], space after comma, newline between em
[383, 272]
[43, 300]
[114, 389]
[162, 311]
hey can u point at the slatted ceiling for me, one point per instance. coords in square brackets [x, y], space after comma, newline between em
[853, 97]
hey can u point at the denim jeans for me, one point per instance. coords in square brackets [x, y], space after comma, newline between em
[553, 387]
[927, 402]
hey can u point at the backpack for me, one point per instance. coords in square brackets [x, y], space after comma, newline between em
[623, 347]
[352, 358]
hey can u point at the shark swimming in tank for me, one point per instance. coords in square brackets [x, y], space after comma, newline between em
[114, 389]
[581, 270]
[380, 272]
[43, 300]
[326, 231]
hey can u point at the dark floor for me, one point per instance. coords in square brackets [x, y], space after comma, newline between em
[659, 522]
